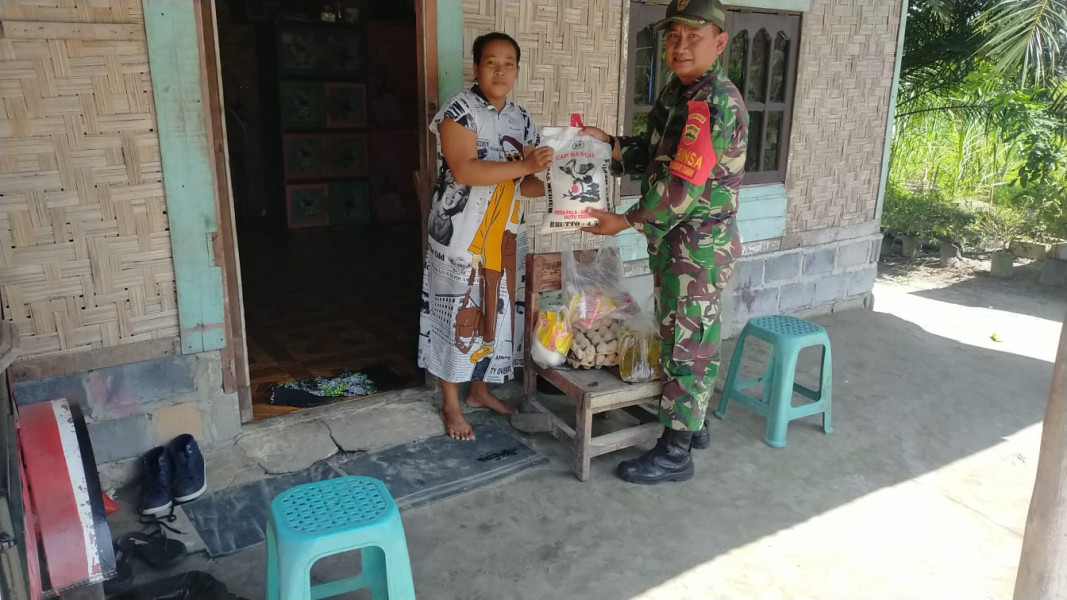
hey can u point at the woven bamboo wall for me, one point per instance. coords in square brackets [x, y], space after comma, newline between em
[85, 259]
[844, 78]
[571, 51]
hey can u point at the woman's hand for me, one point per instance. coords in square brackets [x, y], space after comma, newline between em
[538, 160]
[608, 223]
[595, 132]
[532, 187]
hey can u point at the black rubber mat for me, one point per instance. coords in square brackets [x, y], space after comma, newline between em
[416, 474]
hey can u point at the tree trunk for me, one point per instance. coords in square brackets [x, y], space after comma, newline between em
[1043, 565]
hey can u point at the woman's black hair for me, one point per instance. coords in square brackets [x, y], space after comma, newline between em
[496, 36]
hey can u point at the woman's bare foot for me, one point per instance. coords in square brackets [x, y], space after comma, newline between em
[456, 425]
[480, 397]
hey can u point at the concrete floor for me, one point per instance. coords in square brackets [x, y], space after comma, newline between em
[921, 491]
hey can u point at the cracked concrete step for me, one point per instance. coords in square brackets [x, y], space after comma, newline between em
[292, 448]
[385, 426]
[286, 445]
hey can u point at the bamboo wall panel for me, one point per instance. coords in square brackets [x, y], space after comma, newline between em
[571, 51]
[85, 258]
[72, 11]
[844, 78]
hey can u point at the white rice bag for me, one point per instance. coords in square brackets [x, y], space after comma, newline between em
[577, 180]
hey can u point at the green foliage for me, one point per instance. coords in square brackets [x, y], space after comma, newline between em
[1025, 37]
[928, 215]
[1000, 225]
[982, 120]
[904, 213]
[1044, 210]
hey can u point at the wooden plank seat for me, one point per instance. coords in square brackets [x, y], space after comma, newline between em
[593, 391]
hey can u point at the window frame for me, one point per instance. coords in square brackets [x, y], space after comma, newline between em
[773, 23]
[643, 15]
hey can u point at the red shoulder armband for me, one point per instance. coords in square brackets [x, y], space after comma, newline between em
[695, 156]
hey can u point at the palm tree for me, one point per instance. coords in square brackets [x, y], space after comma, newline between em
[1027, 38]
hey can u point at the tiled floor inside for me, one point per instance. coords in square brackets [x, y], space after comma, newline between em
[320, 301]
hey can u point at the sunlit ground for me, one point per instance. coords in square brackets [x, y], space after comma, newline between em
[936, 550]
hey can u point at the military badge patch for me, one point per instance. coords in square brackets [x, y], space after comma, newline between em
[696, 155]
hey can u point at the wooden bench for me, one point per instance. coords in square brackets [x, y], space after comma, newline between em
[593, 390]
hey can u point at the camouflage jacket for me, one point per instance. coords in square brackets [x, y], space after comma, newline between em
[692, 158]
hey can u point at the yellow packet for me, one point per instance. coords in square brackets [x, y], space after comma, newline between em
[553, 331]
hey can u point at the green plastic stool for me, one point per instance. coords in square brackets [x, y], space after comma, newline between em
[787, 337]
[315, 520]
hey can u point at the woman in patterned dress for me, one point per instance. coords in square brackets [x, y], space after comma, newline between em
[488, 155]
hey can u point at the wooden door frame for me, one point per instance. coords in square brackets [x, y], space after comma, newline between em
[235, 375]
[235, 371]
[426, 35]
[429, 101]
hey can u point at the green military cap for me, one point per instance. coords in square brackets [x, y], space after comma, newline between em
[696, 13]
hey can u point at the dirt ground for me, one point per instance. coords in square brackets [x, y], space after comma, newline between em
[925, 272]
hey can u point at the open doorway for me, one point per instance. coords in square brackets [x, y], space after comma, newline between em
[321, 108]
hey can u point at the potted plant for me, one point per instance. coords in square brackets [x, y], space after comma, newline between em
[905, 215]
[999, 227]
[950, 225]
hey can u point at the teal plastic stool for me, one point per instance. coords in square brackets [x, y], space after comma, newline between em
[787, 337]
[319, 519]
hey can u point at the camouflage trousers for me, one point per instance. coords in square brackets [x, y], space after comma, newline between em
[691, 328]
[690, 306]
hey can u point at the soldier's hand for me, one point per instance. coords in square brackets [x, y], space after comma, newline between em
[595, 132]
[608, 223]
[538, 160]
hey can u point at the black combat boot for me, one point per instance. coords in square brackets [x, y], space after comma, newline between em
[702, 438]
[668, 461]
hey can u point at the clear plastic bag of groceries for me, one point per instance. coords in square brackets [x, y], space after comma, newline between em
[592, 286]
[552, 337]
[639, 348]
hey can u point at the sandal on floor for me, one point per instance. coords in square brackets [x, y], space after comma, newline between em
[154, 548]
[123, 578]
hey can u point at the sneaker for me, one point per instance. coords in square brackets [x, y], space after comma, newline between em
[158, 476]
[190, 475]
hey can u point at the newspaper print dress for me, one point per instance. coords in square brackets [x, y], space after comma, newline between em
[472, 310]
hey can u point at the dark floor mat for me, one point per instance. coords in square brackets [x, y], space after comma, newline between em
[416, 474]
[379, 378]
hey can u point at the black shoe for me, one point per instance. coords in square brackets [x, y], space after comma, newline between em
[123, 578]
[702, 438]
[668, 461]
[190, 475]
[158, 477]
[155, 548]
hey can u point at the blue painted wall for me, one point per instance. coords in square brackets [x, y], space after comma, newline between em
[174, 57]
[761, 212]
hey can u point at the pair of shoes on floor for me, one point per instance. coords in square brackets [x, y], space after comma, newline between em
[173, 474]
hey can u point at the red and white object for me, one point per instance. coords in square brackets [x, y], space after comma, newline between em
[65, 494]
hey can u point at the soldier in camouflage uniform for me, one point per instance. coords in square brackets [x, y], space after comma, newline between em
[692, 159]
